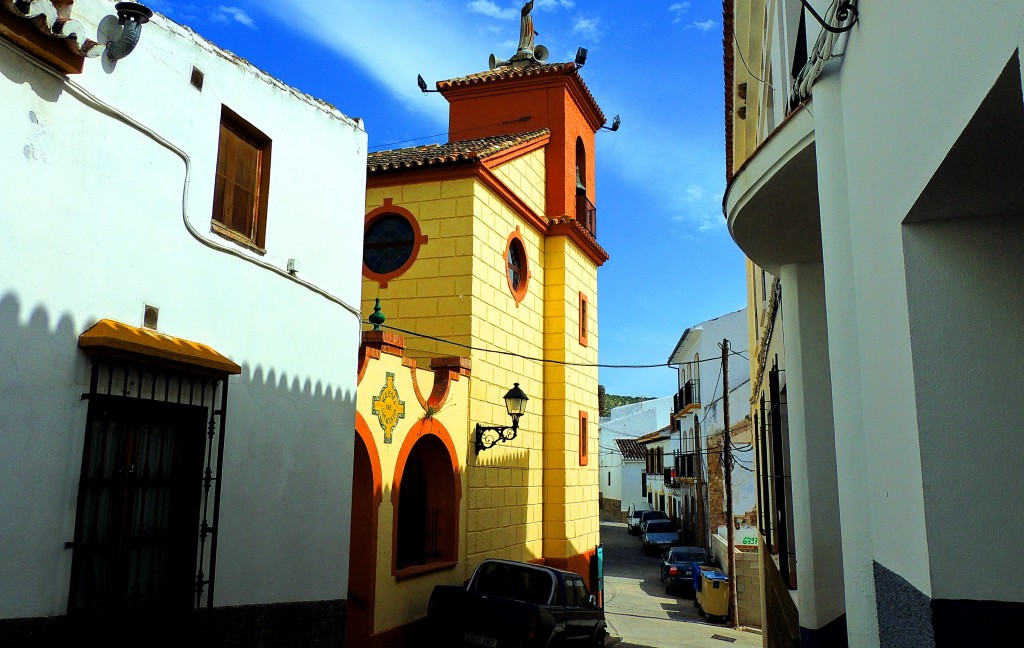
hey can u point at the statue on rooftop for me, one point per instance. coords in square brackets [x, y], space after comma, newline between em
[528, 53]
[526, 31]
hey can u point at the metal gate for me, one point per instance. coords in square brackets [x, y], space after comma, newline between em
[149, 493]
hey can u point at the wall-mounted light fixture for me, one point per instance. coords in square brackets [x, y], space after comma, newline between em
[423, 84]
[132, 16]
[581, 57]
[488, 435]
[616, 122]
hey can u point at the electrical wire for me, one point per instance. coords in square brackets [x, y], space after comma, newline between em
[739, 50]
[520, 355]
[91, 100]
[524, 118]
[823, 48]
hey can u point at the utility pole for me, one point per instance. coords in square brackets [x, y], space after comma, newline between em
[699, 453]
[727, 466]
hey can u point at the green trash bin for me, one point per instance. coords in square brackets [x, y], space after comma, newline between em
[713, 595]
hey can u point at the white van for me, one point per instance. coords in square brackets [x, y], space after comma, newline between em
[633, 516]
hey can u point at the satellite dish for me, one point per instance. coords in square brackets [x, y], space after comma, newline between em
[540, 53]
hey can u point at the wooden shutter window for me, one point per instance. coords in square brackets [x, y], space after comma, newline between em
[243, 174]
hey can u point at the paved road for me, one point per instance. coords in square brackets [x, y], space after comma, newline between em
[638, 611]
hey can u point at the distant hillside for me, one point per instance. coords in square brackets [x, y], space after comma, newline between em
[612, 400]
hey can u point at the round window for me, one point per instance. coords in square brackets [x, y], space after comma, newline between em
[388, 244]
[517, 269]
[515, 265]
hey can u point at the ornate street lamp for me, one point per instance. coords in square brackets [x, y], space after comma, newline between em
[488, 435]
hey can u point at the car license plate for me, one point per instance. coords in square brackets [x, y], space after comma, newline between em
[482, 641]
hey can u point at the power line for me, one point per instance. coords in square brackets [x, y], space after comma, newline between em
[524, 118]
[520, 355]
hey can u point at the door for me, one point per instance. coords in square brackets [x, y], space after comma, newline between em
[137, 523]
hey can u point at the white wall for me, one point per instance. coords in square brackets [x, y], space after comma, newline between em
[886, 117]
[93, 228]
[628, 422]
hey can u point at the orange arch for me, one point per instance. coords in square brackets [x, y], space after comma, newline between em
[363, 430]
[453, 500]
[421, 427]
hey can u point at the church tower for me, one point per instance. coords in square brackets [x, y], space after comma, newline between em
[485, 246]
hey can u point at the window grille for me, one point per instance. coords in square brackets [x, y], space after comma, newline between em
[149, 493]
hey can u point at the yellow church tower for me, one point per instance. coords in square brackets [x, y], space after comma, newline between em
[485, 247]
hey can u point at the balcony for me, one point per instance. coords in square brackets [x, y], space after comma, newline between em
[771, 204]
[687, 465]
[586, 214]
[687, 399]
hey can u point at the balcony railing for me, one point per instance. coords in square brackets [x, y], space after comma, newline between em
[586, 214]
[687, 465]
[688, 398]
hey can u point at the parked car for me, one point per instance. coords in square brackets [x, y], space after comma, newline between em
[633, 516]
[659, 535]
[646, 516]
[677, 566]
[510, 603]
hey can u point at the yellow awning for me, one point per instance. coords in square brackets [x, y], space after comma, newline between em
[108, 334]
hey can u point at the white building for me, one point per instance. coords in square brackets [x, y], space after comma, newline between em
[623, 464]
[699, 424]
[882, 188]
[178, 337]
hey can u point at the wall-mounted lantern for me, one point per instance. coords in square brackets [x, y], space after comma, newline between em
[488, 435]
[132, 16]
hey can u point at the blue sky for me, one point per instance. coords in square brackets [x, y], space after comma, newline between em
[660, 177]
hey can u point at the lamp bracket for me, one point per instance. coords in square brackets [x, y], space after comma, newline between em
[487, 436]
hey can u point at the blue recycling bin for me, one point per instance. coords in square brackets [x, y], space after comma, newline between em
[695, 570]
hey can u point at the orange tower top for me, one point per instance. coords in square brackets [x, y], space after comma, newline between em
[526, 94]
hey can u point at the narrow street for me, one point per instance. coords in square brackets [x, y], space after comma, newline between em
[639, 612]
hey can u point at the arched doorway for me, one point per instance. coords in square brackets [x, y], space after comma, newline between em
[362, 570]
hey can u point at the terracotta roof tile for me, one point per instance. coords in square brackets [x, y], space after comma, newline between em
[507, 72]
[630, 449]
[54, 20]
[727, 62]
[458, 152]
[587, 235]
[518, 72]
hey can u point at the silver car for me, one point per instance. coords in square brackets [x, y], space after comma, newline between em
[660, 535]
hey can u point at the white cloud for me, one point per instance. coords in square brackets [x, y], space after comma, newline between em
[489, 8]
[586, 27]
[703, 26]
[551, 5]
[357, 30]
[227, 14]
[708, 223]
[694, 193]
[679, 8]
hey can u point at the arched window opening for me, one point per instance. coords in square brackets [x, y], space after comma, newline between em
[427, 509]
[586, 213]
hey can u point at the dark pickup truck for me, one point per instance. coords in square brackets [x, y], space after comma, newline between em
[509, 603]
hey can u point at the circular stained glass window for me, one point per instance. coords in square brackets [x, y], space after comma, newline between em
[388, 244]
